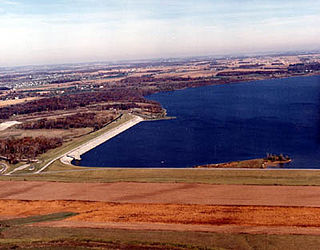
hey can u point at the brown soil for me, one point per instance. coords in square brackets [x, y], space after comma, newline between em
[276, 163]
[167, 213]
[254, 163]
[165, 193]
[155, 206]
[51, 133]
[16, 101]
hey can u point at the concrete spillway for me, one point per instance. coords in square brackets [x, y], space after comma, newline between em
[76, 153]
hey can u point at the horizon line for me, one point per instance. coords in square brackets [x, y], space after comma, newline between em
[211, 56]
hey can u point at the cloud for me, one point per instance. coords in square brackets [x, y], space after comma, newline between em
[9, 2]
[55, 31]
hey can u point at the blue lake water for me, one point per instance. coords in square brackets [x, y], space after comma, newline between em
[223, 123]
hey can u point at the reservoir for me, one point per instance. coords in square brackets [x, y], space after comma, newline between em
[222, 123]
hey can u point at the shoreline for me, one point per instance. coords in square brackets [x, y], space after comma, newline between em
[260, 163]
[75, 154]
[71, 155]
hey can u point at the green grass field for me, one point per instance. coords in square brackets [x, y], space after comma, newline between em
[60, 172]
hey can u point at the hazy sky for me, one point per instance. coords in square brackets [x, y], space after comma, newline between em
[58, 31]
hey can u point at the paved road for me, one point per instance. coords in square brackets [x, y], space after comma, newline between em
[18, 169]
[3, 168]
[174, 193]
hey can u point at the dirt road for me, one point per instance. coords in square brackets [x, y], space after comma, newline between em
[8, 124]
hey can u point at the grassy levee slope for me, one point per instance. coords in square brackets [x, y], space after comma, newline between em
[59, 172]
[35, 219]
[68, 146]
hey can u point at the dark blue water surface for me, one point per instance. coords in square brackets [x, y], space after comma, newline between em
[223, 123]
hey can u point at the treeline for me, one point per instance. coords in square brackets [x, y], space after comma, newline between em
[192, 83]
[130, 90]
[81, 120]
[140, 79]
[4, 88]
[24, 149]
[253, 72]
[65, 80]
[72, 101]
[151, 106]
[302, 67]
[251, 66]
[281, 157]
[172, 83]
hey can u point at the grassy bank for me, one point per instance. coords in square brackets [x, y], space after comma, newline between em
[4, 224]
[82, 238]
[58, 172]
[66, 147]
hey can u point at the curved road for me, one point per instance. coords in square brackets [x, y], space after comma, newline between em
[3, 167]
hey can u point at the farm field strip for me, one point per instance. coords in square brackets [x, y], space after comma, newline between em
[167, 193]
[176, 217]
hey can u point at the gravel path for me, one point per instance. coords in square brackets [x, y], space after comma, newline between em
[8, 124]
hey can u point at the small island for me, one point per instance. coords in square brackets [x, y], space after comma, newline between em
[271, 160]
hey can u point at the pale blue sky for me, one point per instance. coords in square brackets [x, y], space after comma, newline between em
[59, 31]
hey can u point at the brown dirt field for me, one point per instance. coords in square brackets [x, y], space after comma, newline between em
[169, 216]
[168, 206]
[16, 101]
[165, 193]
[64, 133]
